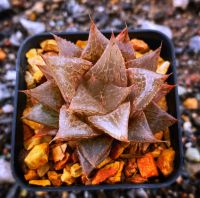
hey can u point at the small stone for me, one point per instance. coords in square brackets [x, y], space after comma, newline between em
[187, 126]
[131, 193]
[4, 5]
[100, 8]
[52, 23]
[71, 195]
[181, 91]
[23, 193]
[179, 50]
[180, 4]
[38, 7]
[8, 108]
[192, 154]
[5, 173]
[71, 29]
[32, 27]
[179, 180]
[153, 26]
[10, 75]
[194, 44]
[141, 193]
[191, 103]
[117, 23]
[2, 55]
[40, 193]
[87, 194]
[188, 144]
[60, 23]
[192, 168]
[16, 38]
[4, 93]
[64, 194]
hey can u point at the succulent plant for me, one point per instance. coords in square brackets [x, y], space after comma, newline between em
[99, 94]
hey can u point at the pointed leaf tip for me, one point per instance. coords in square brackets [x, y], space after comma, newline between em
[146, 84]
[158, 119]
[95, 150]
[48, 94]
[139, 131]
[96, 44]
[67, 48]
[43, 115]
[148, 61]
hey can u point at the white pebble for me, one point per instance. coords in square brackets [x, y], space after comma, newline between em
[193, 154]
[10, 75]
[187, 126]
[32, 27]
[188, 144]
[180, 3]
[8, 108]
[5, 173]
[151, 25]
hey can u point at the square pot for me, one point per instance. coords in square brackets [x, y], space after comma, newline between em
[154, 39]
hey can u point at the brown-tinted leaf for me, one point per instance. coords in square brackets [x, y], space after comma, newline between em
[96, 149]
[146, 84]
[43, 115]
[115, 123]
[139, 130]
[86, 166]
[67, 48]
[46, 71]
[84, 102]
[96, 97]
[48, 94]
[147, 61]
[96, 44]
[158, 119]
[110, 68]
[164, 90]
[124, 44]
[71, 127]
[67, 73]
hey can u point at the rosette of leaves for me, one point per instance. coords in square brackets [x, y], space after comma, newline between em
[99, 94]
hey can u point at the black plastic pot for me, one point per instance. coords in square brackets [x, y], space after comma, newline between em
[154, 39]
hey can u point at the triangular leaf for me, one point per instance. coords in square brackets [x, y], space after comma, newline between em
[96, 44]
[67, 73]
[67, 48]
[124, 44]
[139, 131]
[43, 115]
[48, 94]
[147, 61]
[158, 119]
[115, 123]
[86, 166]
[84, 102]
[110, 68]
[71, 127]
[164, 90]
[96, 149]
[145, 86]
[95, 97]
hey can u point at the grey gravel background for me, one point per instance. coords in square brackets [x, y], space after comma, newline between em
[179, 19]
